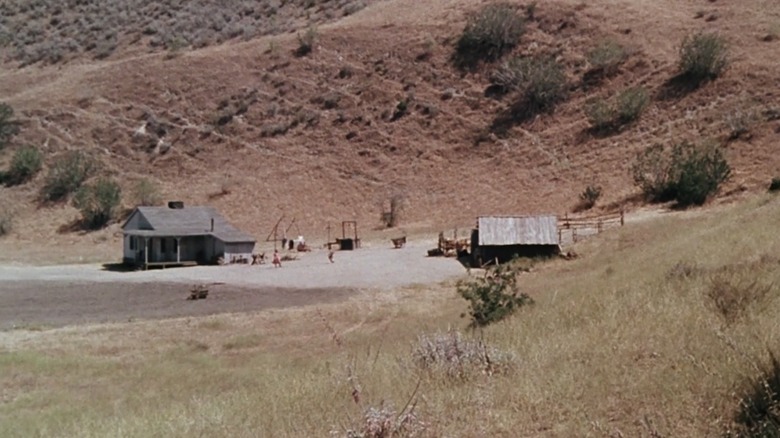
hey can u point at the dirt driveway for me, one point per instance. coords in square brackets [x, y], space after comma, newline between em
[47, 296]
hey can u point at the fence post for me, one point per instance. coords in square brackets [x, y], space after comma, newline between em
[622, 217]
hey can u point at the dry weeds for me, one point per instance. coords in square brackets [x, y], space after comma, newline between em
[631, 351]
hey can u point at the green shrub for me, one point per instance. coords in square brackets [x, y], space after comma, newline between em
[540, 81]
[650, 171]
[490, 33]
[6, 222]
[493, 297]
[703, 57]
[688, 174]
[147, 193]
[631, 103]
[697, 172]
[306, 41]
[601, 114]
[98, 202]
[589, 196]
[604, 115]
[8, 126]
[25, 164]
[454, 355]
[774, 186]
[67, 175]
[606, 58]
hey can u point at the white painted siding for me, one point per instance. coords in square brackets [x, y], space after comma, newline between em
[532, 230]
[240, 249]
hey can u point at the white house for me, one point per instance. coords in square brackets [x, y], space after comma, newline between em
[182, 236]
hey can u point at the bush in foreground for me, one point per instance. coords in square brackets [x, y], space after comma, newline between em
[98, 202]
[67, 175]
[489, 34]
[453, 355]
[494, 296]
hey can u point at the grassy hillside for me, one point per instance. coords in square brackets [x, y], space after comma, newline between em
[657, 329]
[379, 109]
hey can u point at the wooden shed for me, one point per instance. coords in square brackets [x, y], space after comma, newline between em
[179, 236]
[503, 237]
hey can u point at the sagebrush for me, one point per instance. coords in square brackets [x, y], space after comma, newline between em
[489, 34]
[98, 202]
[454, 355]
[606, 58]
[25, 164]
[67, 174]
[8, 126]
[147, 193]
[703, 56]
[688, 173]
[6, 222]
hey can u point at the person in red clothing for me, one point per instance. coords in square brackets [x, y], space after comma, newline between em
[277, 260]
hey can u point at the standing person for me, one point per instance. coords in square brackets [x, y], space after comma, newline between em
[330, 256]
[277, 260]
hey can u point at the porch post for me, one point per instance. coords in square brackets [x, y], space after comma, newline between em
[178, 249]
[146, 252]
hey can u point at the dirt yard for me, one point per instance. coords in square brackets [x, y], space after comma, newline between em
[53, 296]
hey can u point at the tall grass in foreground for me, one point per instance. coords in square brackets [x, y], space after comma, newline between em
[627, 340]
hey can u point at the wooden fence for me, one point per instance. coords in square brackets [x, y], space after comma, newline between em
[572, 228]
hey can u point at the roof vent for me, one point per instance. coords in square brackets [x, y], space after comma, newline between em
[176, 205]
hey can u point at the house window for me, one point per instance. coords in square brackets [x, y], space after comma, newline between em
[132, 243]
[175, 245]
[162, 244]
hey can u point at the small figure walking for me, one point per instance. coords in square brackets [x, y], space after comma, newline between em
[330, 256]
[277, 260]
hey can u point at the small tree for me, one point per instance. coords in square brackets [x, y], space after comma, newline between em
[589, 196]
[650, 171]
[68, 174]
[392, 216]
[606, 58]
[489, 34]
[8, 126]
[703, 57]
[631, 103]
[306, 41]
[493, 297]
[98, 202]
[146, 193]
[688, 174]
[697, 172]
[25, 164]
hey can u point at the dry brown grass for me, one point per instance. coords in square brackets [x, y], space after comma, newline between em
[336, 168]
[622, 341]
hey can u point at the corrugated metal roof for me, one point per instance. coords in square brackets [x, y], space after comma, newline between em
[528, 230]
[189, 221]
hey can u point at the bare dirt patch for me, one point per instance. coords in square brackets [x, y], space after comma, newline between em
[52, 296]
[42, 304]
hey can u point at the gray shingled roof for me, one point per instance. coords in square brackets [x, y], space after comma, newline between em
[189, 221]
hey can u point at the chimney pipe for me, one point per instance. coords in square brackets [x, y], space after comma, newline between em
[212, 225]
